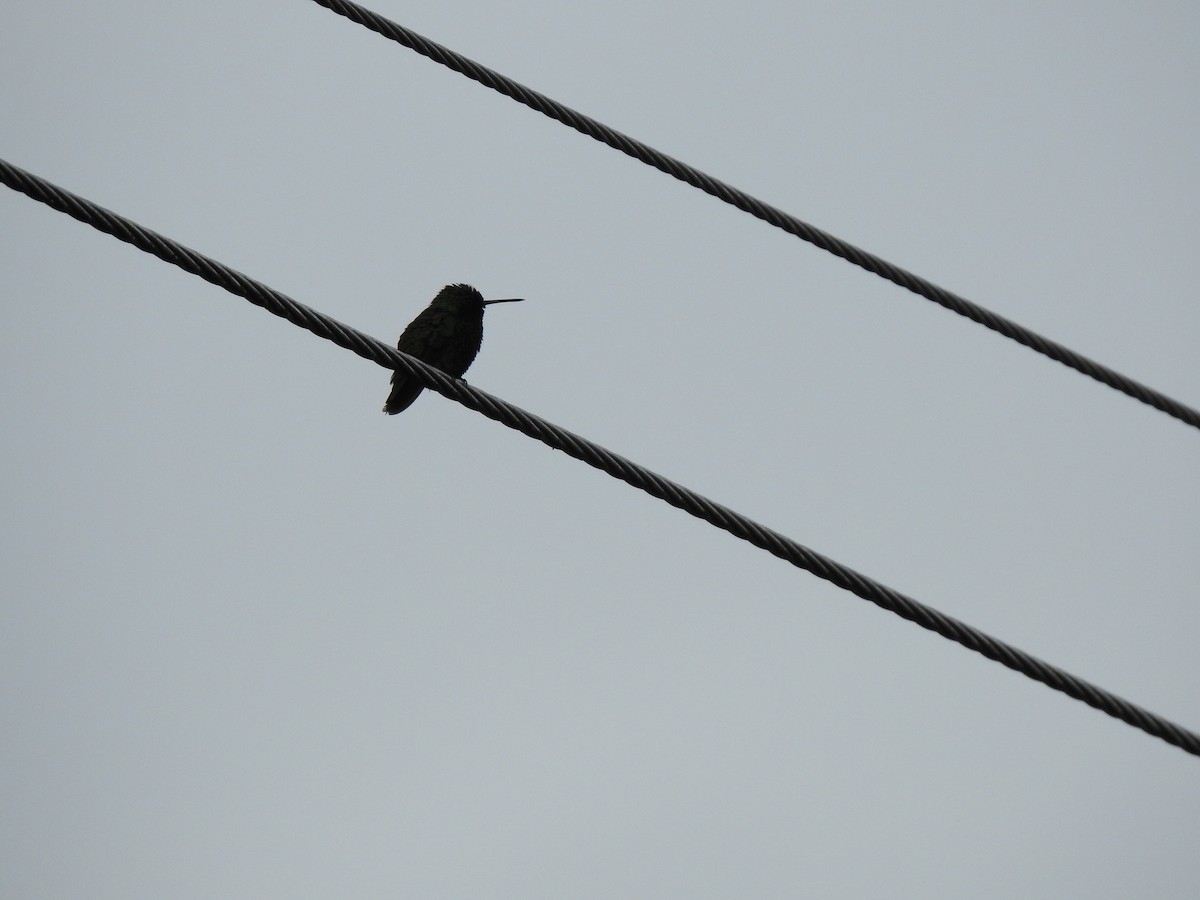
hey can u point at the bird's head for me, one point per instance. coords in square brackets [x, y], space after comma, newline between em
[464, 298]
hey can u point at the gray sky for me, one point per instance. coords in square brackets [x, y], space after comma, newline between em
[259, 640]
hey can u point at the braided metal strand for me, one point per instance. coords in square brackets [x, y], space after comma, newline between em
[596, 456]
[757, 208]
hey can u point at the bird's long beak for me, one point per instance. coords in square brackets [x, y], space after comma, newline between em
[509, 300]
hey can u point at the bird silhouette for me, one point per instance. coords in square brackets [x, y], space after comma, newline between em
[447, 335]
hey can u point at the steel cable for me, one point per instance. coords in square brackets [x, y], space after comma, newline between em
[757, 208]
[596, 456]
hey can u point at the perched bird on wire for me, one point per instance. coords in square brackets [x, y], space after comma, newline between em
[447, 335]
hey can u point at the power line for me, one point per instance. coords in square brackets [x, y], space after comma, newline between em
[596, 456]
[757, 208]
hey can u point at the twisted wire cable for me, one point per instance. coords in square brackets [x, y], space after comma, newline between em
[596, 456]
[757, 208]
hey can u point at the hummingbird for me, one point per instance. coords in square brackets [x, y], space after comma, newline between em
[446, 335]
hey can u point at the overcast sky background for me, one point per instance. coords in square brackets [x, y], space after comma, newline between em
[259, 640]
